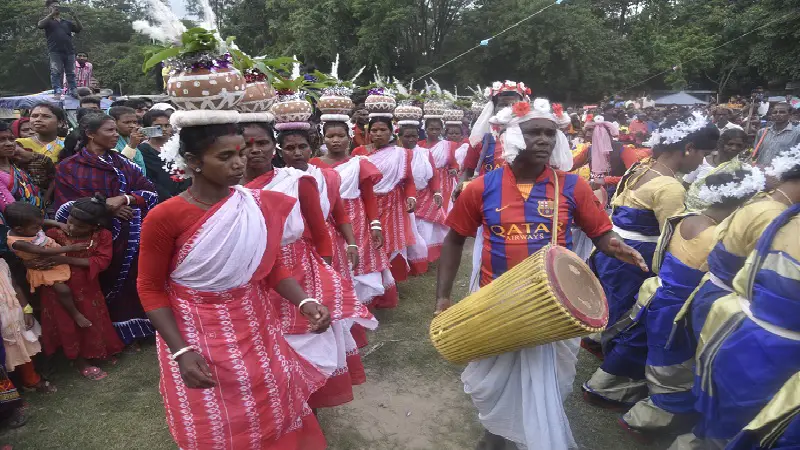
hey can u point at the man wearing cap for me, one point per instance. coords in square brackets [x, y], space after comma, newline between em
[520, 394]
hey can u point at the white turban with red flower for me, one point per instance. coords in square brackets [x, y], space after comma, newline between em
[514, 142]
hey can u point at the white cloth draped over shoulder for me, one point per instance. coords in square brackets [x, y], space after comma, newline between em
[319, 177]
[461, 155]
[421, 167]
[350, 172]
[286, 181]
[391, 162]
[441, 154]
[520, 395]
[237, 232]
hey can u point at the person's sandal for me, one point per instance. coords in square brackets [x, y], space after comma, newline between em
[93, 373]
[45, 387]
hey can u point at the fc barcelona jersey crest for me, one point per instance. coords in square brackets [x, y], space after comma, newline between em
[545, 208]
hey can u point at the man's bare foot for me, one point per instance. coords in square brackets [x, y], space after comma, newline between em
[82, 321]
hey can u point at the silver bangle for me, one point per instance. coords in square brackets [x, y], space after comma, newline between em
[352, 246]
[437, 193]
[376, 228]
[412, 198]
[187, 349]
[375, 222]
[308, 300]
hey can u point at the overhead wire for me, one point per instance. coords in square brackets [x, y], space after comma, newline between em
[486, 41]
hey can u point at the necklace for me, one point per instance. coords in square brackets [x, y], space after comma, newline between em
[788, 199]
[665, 166]
[189, 191]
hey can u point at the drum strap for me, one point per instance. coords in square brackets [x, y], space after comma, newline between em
[556, 196]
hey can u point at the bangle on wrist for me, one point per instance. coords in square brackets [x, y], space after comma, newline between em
[352, 246]
[412, 198]
[375, 222]
[308, 300]
[187, 349]
[376, 228]
[28, 309]
[437, 193]
[127, 200]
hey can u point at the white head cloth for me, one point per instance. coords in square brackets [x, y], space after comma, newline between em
[514, 142]
[481, 126]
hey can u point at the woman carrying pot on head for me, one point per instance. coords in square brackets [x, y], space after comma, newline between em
[334, 352]
[229, 378]
[428, 217]
[372, 280]
[396, 193]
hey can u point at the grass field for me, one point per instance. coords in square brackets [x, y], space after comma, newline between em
[412, 398]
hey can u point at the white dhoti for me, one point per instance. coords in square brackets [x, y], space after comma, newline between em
[520, 395]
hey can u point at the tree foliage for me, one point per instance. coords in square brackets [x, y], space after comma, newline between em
[580, 50]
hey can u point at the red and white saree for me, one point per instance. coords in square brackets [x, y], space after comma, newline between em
[429, 217]
[217, 293]
[392, 191]
[334, 352]
[372, 278]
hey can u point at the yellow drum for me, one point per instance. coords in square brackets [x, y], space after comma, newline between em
[550, 296]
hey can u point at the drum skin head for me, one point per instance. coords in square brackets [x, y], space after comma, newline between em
[576, 287]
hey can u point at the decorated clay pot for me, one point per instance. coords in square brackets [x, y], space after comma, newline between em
[297, 110]
[258, 97]
[380, 103]
[204, 89]
[335, 104]
[453, 115]
[408, 112]
[434, 108]
[477, 107]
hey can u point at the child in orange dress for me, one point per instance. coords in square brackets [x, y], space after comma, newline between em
[28, 241]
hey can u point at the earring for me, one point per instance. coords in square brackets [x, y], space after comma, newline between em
[198, 170]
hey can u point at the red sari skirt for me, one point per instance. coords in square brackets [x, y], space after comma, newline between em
[262, 383]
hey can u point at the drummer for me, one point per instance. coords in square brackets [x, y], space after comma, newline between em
[519, 394]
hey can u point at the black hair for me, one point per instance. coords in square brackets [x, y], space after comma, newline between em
[91, 210]
[375, 119]
[286, 133]
[505, 94]
[150, 116]
[723, 178]
[437, 120]
[117, 103]
[50, 2]
[704, 138]
[82, 53]
[453, 125]
[409, 127]
[196, 140]
[136, 104]
[266, 126]
[118, 111]
[4, 126]
[22, 214]
[90, 99]
[90, 123]
[732, 133]
[784, 104]
[58, 112]
[335, 124]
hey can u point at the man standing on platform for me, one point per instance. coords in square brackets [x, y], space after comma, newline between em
[59, 43]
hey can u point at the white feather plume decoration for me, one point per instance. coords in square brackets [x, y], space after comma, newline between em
[209, 21]
[335, 68]
[168, 28]
[399, 86]
[358, 74]
[295, 68]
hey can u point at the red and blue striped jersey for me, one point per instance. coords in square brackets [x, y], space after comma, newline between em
[515, 227]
